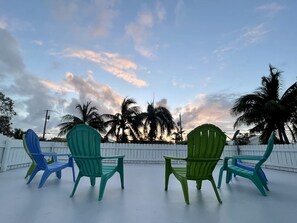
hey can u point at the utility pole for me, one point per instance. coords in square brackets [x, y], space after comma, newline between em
[47, 117]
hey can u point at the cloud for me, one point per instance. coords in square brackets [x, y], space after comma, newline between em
[139, 30]
[179, 83]
[57, 87]
[214, 108]
[247, 36]
[160, 11]
[271, 8]
[88, 89]
[162, 103]
[253, 34]
[38, 42]
[111, 62]
[102, 12]
[3, 23]
[179, 12]
[11, 62]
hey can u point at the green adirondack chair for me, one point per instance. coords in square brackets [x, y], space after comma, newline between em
[253, 174]
[84, 144]
[205, 146]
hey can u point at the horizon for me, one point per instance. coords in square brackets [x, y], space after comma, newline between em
[193, 57]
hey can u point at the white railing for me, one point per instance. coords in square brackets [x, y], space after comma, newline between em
[13, 155]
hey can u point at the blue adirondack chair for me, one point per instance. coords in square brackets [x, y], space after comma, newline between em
[31, 144]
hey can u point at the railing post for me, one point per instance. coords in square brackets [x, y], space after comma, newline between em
[5, 155]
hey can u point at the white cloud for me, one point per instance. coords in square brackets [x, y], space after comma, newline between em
[38, 42]
[103, 96]
[110, 62]
[179, 11]
[11, 62]
[140, 30]
[160, 11]
[102, 12]
[3, 23]
[271, 8]
[179, 83]
[214, 109]
[247, 36]
[253, 34]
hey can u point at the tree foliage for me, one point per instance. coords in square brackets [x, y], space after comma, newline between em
[125, 124]
[266, 110]
[6, 114]
[87, 115]
[157, 120]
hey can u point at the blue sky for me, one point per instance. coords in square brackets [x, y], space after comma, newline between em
[194, 57]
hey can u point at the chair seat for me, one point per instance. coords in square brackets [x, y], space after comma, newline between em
[108, 169]
[57, 165]
[182, 171]
[240, 171]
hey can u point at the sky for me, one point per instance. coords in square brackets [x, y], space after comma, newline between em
[195, 57]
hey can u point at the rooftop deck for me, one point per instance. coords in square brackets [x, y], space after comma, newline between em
[144, 199]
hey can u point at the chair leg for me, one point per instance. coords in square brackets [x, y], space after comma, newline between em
[198, 184]
[93, 181]
[73, 174]
[30, 170]
[259, 185]
[184, 184]
[228, 177]
[59, 174]
[33, 175]
[44, 177]
[168, 171]
[263, 175]
[102, 187]
[263, 180]
[215, 189]
[121, 171]
[220, 176]
[70, 164]
[75, 185]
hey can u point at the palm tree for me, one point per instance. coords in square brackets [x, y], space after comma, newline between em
[125, 124]
[157, 119]
[266, 110]
[18, 133]
[88, 115]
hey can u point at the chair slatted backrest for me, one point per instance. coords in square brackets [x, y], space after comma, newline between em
[268, 150]
[33, 145]
[205, 147]
[84, 144]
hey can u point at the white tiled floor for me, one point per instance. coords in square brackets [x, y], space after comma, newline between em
[144, 200]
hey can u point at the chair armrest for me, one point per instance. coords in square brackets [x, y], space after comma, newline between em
[55, 154]
[243, 157]
[174, 158]
[113, 157]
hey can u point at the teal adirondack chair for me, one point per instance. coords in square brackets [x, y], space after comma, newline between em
[84, 143]
[205, 146]
[254, 174]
